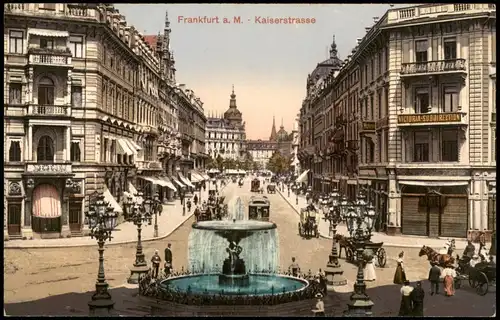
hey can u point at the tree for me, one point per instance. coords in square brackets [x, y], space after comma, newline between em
[256, 165]
[219, 162]
[210, 163]
[278, 164]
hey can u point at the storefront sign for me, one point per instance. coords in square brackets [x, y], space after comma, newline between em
[430, 118]
[368, 125]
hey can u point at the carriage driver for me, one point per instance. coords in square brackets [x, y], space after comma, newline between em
[469, 251]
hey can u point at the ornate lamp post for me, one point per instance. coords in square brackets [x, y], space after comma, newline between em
[333, 272]
[344, 205]
[138, 212]
[360, 304]
[351, 218]
[157, 209]
[101, 220]
[369, 220]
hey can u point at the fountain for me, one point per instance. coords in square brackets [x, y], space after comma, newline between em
[247, 251]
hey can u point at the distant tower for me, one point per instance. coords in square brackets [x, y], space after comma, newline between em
[274, 135]
[333, 49]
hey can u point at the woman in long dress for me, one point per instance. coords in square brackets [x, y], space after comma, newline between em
[448, 275]
[370, 270]
[400, 275]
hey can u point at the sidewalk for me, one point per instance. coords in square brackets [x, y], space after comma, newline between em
[389, 241]
[170, 219]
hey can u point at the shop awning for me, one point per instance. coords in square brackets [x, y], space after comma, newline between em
[185, 181]
[130, 146]
[205, 176]
[302, 177]
[168, 183]
[48, 33]
[196, 177]
[111, 200]
[123, 148]
[136, 146]
[434, 183]
[157, 181]
[46, 202]
[177, 182]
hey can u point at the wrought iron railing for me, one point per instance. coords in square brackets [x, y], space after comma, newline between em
[433, 66]
[49, 110]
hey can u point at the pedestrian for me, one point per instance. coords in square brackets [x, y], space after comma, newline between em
[400, 274]
[168, 259]
[322, 281]
[156, 260]
[319, 311]
[195, 199]
[434, 276]
[448, 275]
[406, 307]
[370, 274]
[417, 299]
[294, 268]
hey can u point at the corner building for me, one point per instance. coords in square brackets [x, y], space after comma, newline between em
[86, 110]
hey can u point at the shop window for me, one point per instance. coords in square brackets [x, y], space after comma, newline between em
[76, 46]
[449, 148]
[450, 99]
[15, 90]
[422, 100]
[46, 224]
[16, 41]
[45, 149]
[15, 151]
[75, 151]
[421, 147]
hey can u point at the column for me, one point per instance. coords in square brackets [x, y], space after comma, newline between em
[68, 143]
[30, 85]
[29, 157]
[67, 97]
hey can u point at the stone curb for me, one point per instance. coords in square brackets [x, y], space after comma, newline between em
[28, 246]
[386, 244]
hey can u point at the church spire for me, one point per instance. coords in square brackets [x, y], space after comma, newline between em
[333, 49]
[282, 126]
[232, 101]
[274, 135]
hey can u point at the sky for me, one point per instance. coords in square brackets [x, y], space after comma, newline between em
[267, 63]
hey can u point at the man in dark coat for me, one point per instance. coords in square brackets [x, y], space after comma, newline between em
[168, 259]
[417, 298]
[434, 275]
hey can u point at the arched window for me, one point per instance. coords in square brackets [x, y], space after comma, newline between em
[45, 149]
[46, 91]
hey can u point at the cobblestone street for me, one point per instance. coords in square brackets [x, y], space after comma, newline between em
[34, 274]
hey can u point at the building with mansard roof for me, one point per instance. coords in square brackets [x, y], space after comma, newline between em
[225, 134]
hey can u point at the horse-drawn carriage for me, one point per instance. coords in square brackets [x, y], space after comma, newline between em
[258, 208]
[349, 246]
[255, 186]
[308, 225]
[480, 276]
[271, 188]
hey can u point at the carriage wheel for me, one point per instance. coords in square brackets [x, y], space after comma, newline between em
[381, 257]
[472, 278]
[482, 284]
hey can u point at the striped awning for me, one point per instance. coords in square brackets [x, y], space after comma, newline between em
[46, 202]
[168, 183]
[108, 197]
[196, 177]
[130, 146]
[177, 182]
[123, 148]
[48, 33]
[302, 177]
[185, 181]
[204, 175]
[136, 146]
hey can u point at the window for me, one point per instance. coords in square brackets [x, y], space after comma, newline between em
[422, 100]
[15, 151]
[372, 69]
[76, 46]
[46, 91]
[372, 107]
[370, 146]
[386, 142]
[380, 61]
[421, 147]
[449, 148]
[75, 151]
[15, 90]
[450, 49]
[112, 151]
[421, 51]
[45, 149]
[46, 43]
[450, 99]
[380, 151]
[76, 96]
[16, 40]
[379, 102]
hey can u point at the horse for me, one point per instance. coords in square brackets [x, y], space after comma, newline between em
[433, 256]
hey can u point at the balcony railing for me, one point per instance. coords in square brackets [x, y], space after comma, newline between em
[50, 57]
[430, 67]
[49, 168]
[142, 165]
[80, 11]
[431, 119]
[434, 10]
[48, 110]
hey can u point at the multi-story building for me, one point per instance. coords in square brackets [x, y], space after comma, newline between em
[261, 151]
[295, 147]
[316, 120]
[85, 106]
[225, 135]
[427, 119]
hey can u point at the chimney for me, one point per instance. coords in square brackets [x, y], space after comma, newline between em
[358, 41]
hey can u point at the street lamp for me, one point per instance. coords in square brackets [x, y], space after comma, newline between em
[344, 205]
[137, 213]
[360, 304]
[370, 219]
[157, 210]
[333, 272]
[102, 220]
[351, 218]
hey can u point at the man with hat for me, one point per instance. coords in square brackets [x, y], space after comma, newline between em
[320, 306]
[168, 259]
[156, 260]
[294, 268]
[434, 276]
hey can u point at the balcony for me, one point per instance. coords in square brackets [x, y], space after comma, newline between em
[48, 111]
[148, 165]
[367, 127]
[432, 119]
[433, 67]
[50, 57]
[48, 169]
[432, 11]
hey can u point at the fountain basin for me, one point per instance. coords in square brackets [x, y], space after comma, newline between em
[257, 285]
[238, 225]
